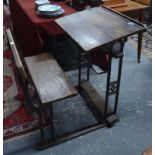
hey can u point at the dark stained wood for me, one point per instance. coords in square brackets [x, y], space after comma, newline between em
[49, 79]
[49, 142]
[97, 26]
[96, 98]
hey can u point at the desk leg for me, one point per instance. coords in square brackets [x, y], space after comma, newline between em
[112, 88]
[79, 75]
[88, 65]
[107, 86]
[118, 80]
[140, 37]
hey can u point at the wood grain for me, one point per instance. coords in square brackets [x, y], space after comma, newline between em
[49, 79]
[96, 26]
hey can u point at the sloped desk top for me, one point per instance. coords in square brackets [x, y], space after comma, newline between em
[98, 26]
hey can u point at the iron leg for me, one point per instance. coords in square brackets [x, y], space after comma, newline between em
[88, 66]
[107, 86]
[118, 80]
[140, 38]
[79, 75]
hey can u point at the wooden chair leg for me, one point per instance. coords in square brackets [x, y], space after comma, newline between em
[140, 37]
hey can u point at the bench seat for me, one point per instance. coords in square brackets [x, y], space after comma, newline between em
[49, 79]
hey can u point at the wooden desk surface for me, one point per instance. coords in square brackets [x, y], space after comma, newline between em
[97, 26]
[131, 6]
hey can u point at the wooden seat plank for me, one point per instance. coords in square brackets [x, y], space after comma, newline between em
[50, 81]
